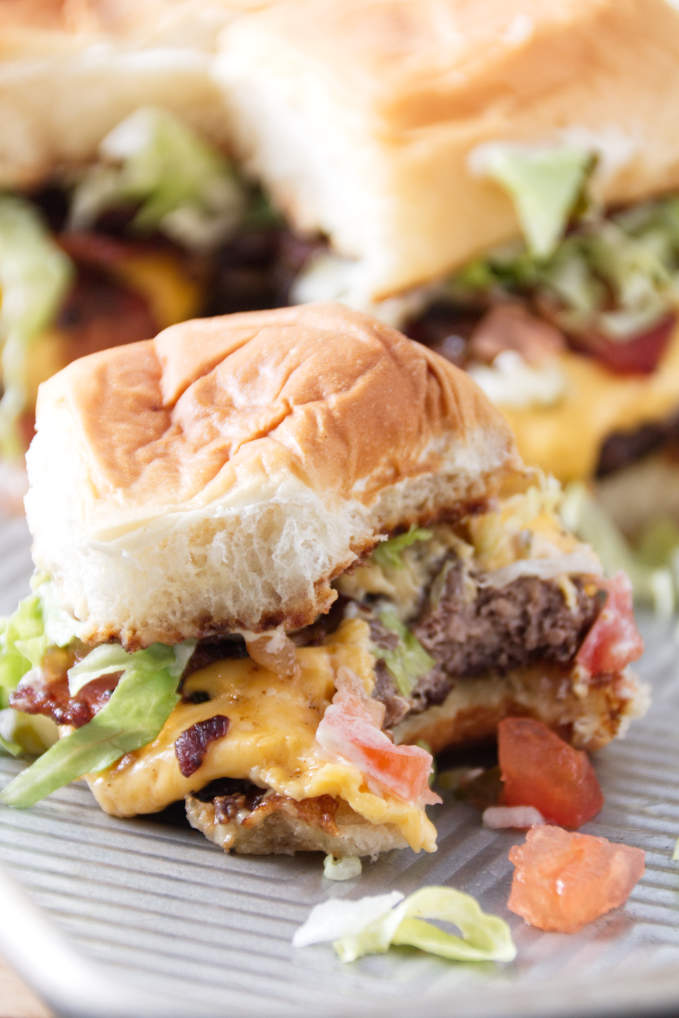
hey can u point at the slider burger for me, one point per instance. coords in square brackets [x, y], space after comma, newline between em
[273, 551]
[503, 187]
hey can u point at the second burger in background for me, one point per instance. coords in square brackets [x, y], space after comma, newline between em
[504, 188]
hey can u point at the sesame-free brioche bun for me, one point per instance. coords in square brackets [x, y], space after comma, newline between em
[219, 476]
[366, 119]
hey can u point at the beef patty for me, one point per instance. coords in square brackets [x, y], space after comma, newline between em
[496, 630]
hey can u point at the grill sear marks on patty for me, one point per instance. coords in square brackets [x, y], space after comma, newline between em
[192, 745]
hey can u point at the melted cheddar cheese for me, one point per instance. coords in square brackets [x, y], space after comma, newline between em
[565, 439]
[163, 278]
[270, 740]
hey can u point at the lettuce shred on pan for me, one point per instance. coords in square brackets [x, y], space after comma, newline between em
[374, 924]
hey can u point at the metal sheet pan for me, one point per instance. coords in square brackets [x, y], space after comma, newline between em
[144, 917]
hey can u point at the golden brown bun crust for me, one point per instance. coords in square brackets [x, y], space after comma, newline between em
[242, 462]
[386, 100]
[588, 717]
[169, 415]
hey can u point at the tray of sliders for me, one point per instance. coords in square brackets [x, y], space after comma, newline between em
[321, 682]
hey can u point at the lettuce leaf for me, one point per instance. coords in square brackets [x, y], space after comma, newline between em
[616, 275]
[22, 645]
[389, 554]
[26, 733]
[179, 183]
[111, 657]
[23, 642]
[373, 925]
[544, 184]
[408, 661]
[34, 277]
[139, 706]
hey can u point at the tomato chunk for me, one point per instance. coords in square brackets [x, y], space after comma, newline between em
[638, 353]
[539, 769]
[350, 728]
[614, 640]
[564, 880]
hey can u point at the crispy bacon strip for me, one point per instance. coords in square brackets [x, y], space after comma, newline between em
[191, 746]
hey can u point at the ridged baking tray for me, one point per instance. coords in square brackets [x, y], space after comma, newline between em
[143, 917]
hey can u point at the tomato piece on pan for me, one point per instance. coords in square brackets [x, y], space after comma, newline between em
[564, 880]
[539, 769]
[614, 640]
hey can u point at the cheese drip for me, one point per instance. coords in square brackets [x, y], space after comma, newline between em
[270, 741]
[565, 439]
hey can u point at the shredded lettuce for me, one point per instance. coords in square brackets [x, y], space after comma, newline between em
[389, 553]
[347, 868]
[7, 746]
[544, 183]
[23, 642]
[179, 183]
[408, 661]
[34, 277]
[615, 276]
[652, 564]
[372, 925]
[22, 645]
[26, 733]
[108, 658]
[139, 706]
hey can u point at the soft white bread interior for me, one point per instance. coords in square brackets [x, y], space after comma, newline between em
[70, 71]
[362, 117]
[221, 475]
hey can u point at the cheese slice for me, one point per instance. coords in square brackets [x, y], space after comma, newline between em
[270, 740]
[163, 277]
[565, 439]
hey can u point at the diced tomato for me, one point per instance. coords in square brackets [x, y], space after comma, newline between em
[539, 769]
[563, 880]
[614, 640]
[350, 728]
[637, 354]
